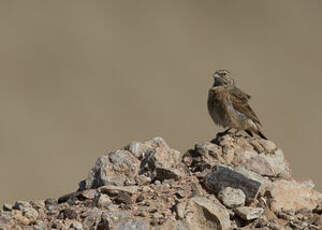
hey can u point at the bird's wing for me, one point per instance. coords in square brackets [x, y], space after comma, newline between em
[239, 100]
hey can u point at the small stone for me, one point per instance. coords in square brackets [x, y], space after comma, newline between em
[77, 225]
[180, 210]
[129, 182]
[30, 213]
[142, 180]
[157, 215]
[103, 200]
[7, 207]
[51, 207]
[268, 145]
[114, 190]
[317, 220]
[232, 197]
[20, 205]
[20, 218]
[132, 224]
[157, 182]
[318, 209]
[152, 210]
[50, 201]
[38, 204]
[226, 140]
[67, 214]
[112, 207]
[89, 194]
[249, 213]
[228, 154]
[123, 197]
[140, 198]
[180, 194]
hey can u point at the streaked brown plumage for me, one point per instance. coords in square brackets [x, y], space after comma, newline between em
[228, 105]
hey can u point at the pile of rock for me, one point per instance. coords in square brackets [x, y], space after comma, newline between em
[232, 182]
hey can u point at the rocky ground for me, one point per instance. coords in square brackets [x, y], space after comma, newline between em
[232, 182]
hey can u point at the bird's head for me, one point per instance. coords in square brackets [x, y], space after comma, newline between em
[223, 78]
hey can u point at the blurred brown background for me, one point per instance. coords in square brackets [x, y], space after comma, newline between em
[79, 78]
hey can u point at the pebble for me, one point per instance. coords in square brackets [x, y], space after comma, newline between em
[77, 225]
[232, 197]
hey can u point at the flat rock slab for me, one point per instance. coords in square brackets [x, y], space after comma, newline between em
[114, 190]
[249, 213]
[224, 177]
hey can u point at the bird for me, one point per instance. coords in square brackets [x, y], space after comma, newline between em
[228, 106]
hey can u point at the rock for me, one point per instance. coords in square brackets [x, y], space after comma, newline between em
[223, 177]
[113, 219]
[210, 153]
[77, 225]
[180, 192]
[89, 194]
[103, 200]
[318, 208]
[249, 213]
[228, 154]
[232, 197]
[20, 218]
[142, 180]
[268, 165]
[265, 183]
[161, 163]
[137, 148]
[180, 210]
[139, 198]
[123, 197]
[7, 207]
[112, 169]
[290, 195]
[261, 166]
[38, 204]
[114, 190]
[67, 214]
[92, 218]
[226, 140]
[132, 224]
[6, 221]
[257, 145]
[202, 213]
[20, 205]
[140, 149]
[30, 213]
[66, 197]
[268, 145]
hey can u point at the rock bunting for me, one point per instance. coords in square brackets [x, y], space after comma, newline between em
[228, 105]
